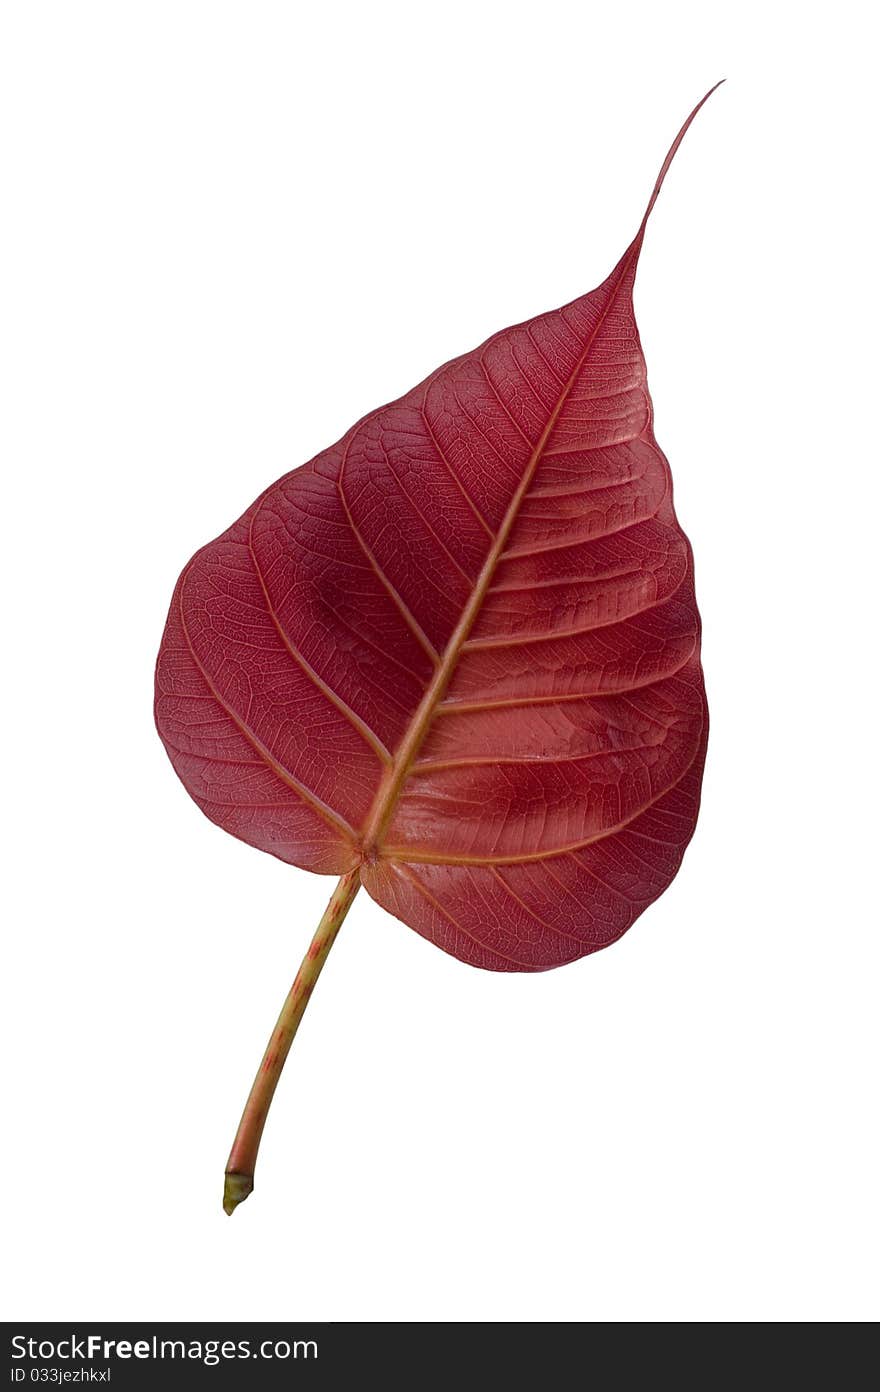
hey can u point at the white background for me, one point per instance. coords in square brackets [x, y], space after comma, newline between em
[228, 231]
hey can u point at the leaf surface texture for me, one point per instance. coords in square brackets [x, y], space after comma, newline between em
[460, 649]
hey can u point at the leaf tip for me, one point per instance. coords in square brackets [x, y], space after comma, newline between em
[664, 170]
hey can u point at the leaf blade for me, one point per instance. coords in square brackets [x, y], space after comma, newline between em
[464, 644]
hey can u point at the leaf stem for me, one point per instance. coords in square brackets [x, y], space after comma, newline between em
[243, 1156]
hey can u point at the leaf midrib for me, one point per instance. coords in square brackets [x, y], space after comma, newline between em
[394, 778]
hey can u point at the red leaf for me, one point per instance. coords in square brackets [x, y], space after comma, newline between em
[460, 650]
